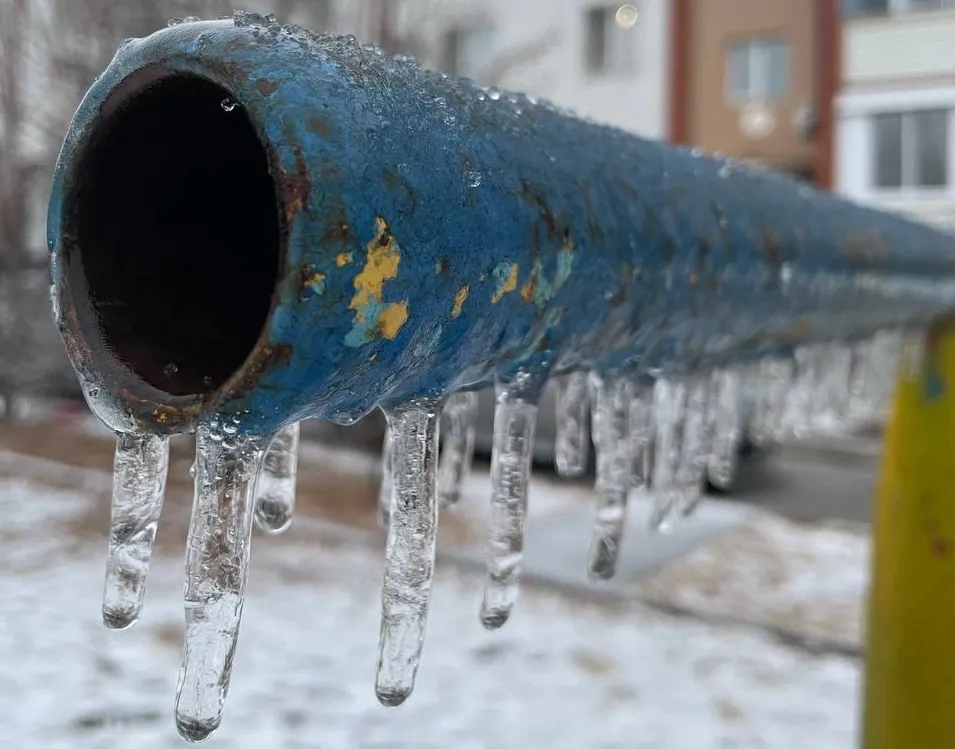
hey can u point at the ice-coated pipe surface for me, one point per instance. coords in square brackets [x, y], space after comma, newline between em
[251, 219]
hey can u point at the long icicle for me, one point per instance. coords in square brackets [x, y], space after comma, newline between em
[611, 435]
[697, 439]
[139, 483]
[515, 416]
[275, 489]
[410, 549]
[457, 446]
[386, 487]
[642, 431]
[571, 447]
[774, 380]
[669, 412]
[217, 566]
[724, 415]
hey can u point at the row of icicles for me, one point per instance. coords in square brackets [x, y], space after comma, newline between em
[665, 438]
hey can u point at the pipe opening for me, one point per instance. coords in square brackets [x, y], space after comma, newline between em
[176, 231]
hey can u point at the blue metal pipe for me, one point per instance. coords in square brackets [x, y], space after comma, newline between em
[252, 219]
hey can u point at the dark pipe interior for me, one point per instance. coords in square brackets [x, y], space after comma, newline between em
[177, 234]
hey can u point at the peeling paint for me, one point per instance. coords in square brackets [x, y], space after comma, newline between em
[506, 275]
[383, 255]
[459, 299]
[391, 318]
[538, 289]
[343, 259]
[316, 283]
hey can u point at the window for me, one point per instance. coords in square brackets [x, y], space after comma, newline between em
[915, 5]
[469, 51]
[853, 8]
[610, 43]
[757, 69]
[857, 8]
[911, 149]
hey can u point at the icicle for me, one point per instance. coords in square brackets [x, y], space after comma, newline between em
[139, 482]
[515, 416]
[642, 429]
[457, 448]
[724, 415]
[774, 380]
[831, 399]
[695, 450]
[571, 448]
[217, 559]
[386, 487]
[611, 413]
[275, 489]
[410, 550]
[669, 412]
[798, 410]
[874, 371]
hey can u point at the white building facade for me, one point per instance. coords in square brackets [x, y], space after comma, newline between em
[895, 132]
[605, 59]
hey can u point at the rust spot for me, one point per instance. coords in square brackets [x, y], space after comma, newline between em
[772, 248]
[266, 87]
[442, 266]
[161, 416]
[343, 259]
[529, 287]
[867, 247]
[295, 187]
[264, 359]
[319, 126]
[536, 197]
[336, 232]
[941, 547]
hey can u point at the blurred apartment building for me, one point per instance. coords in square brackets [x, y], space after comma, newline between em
[856, 95]
[896, 107]
[751, 79]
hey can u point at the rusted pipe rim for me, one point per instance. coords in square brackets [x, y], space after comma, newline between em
[172, 245]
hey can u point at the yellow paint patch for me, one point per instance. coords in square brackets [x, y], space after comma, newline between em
[459, 299]
[381, 264]
[392, 318]
[343, 259]
[507, 285]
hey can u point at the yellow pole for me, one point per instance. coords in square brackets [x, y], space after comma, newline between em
[910, 655]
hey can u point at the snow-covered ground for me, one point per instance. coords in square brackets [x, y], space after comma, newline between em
[564, 672]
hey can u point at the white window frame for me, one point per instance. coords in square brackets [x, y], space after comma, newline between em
[613, 35]
[909, 6]
[756, 48]
[908, 190]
